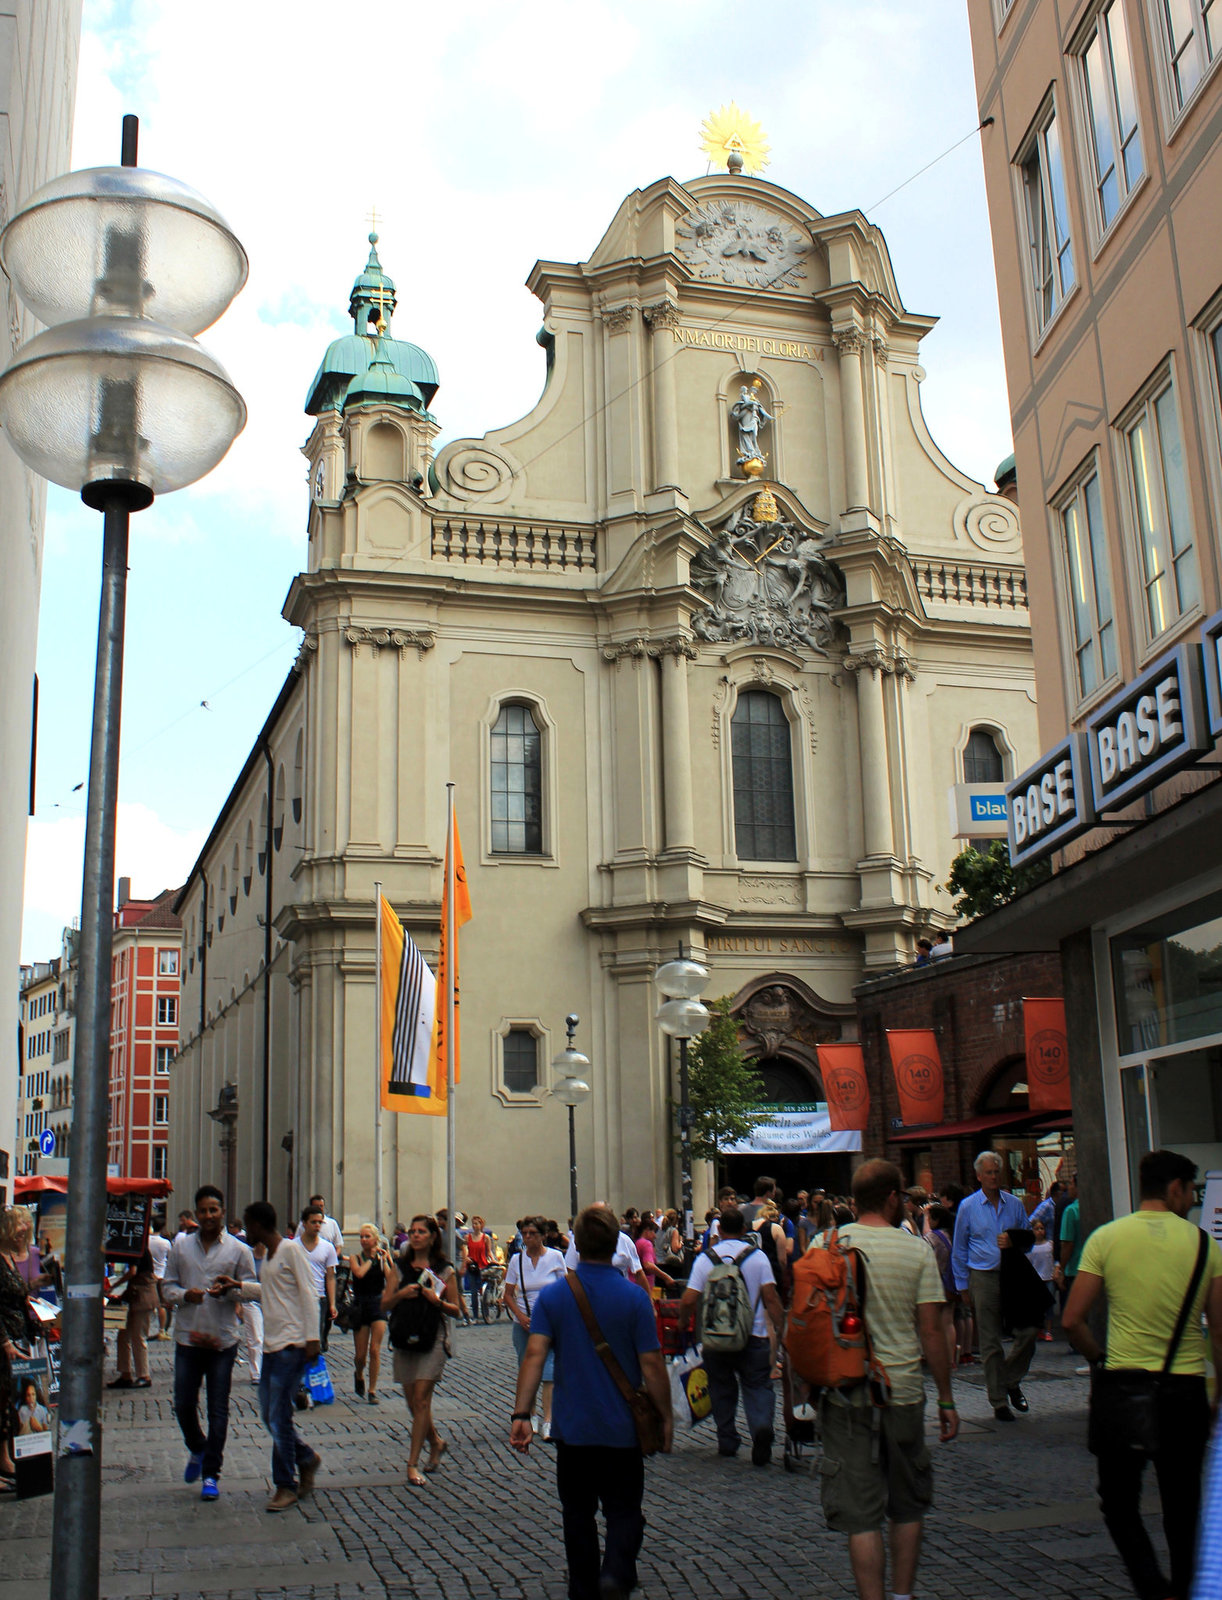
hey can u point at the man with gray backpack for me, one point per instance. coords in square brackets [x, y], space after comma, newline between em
[733, 1285]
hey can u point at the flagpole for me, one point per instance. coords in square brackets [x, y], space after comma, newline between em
[451, 1233]
[377, 1076]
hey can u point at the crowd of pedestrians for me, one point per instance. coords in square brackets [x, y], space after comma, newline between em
[929, 1284]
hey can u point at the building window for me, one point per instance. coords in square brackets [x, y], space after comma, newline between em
[61, 1045]
[1084, 540]
[763, 779]
[165, 1054]
[983, 762]
[1042, 168]
[161, 1161]
[1159, 486]
[517, 783]
[520, 1061]
[161, 1110]
[1191, 32]
[167, 1010]
[1111, 111]
[167, 963]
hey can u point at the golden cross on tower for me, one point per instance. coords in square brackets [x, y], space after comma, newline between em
[373, 219]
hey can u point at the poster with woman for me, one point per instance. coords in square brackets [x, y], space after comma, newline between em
[32, 1440]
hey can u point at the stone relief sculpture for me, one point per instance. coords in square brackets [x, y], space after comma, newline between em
[738, 242]
[766, 583]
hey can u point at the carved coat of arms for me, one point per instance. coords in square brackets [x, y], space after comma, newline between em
[738, 242]
[766, 583]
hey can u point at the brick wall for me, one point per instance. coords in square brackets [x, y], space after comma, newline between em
[974, 1004]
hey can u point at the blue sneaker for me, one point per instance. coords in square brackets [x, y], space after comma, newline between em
[211, 1490]
[195, 1465]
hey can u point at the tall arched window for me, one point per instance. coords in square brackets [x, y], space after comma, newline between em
[517, 783]
[763, 779]
[982, 760]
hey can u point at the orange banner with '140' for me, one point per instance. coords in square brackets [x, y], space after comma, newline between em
[845, 1085]
[1047, 1056]
[917, 1064]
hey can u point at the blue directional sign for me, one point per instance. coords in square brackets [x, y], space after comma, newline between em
[46, 1142]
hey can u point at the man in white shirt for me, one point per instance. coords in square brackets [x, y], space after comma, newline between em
[285, 1290]
[323, 1261]
[202, 1272]
[159, 1249]
[752, 1367]
[329, 1229]
[625, 1259]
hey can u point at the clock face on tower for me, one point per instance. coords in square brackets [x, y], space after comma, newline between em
[320, 479]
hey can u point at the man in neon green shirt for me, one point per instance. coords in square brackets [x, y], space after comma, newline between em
[1144, 1263]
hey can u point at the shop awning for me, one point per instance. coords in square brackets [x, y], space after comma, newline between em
[995, 1122]
[33, 1184]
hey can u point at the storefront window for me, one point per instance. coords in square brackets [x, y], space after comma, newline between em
[1168, 978]
[1175, 1103]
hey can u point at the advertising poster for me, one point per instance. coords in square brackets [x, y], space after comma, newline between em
[32, 1423]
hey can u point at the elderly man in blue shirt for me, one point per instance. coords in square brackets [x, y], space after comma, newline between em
[981, 1234]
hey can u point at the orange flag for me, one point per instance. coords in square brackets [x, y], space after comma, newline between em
[462, 913]
[1047, 1056]
[845, 1085]
[917, 1064]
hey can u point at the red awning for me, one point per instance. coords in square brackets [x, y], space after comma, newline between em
[34, 1185]
[995, 1122]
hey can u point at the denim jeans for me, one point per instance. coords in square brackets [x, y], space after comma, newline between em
[193, 1365]
[473, 1281]
[585, 1476]
[283, 1374]
[749, 1368]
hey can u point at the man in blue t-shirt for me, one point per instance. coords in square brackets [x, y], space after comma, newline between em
[598, 1458]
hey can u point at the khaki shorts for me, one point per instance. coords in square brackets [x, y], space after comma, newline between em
[875, 1466]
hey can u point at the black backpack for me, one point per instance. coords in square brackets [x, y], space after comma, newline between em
[414, 1323]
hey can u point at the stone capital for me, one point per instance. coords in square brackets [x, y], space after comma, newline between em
[848, 341]
[400, 639]
[676, 644]
[633, 650]
[663, 314]
[890, 663]
[306, 652]
[881, 349]
[617, 318]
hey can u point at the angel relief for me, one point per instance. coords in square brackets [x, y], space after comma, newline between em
[766, 583]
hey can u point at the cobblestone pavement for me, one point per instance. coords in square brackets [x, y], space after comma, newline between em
[1015, 1512]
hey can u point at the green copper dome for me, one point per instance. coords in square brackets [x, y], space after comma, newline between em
[352, 357]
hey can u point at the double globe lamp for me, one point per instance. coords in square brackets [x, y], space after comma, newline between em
[682, 1016]
[117, 401]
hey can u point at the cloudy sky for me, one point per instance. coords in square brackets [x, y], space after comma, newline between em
[487, 133]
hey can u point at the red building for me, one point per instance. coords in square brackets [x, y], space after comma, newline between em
[145, 981]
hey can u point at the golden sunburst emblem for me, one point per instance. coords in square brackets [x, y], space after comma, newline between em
[730, 135]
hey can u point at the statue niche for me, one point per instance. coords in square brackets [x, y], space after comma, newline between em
[766, 582]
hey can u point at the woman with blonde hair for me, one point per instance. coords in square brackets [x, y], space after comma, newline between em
[371, 1271]
[17, 1242]
[418, 1309]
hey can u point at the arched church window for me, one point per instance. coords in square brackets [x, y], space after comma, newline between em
[278, 827]
[298, 774]
[763, 779]
[982, 760]
[517, 783]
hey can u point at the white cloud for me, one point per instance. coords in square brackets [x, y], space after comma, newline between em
[150, 851]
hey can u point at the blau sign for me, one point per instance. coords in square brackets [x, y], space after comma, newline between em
[1050, 802]
[987, 807]
[1154, 726]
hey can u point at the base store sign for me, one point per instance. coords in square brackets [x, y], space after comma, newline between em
[795, 1130]
[1155, 726]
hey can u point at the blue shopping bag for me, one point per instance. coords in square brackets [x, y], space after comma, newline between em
[318, 1382]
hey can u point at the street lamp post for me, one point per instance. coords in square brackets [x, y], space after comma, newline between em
[571, 1090]
[681, 1016]
[118, 401]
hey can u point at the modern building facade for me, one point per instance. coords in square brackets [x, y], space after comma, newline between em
[702, 643]
[38, 51]
[1104, 173]
[145, 992]
[46, 1042]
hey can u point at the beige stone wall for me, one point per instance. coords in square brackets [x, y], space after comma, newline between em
[38, 51]
[550, 563]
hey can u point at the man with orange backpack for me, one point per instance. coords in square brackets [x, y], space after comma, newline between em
[876, 1468]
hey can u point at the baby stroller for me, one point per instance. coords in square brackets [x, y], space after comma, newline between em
[799, 1406]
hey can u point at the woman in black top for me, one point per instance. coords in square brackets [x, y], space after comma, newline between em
[369, 1271]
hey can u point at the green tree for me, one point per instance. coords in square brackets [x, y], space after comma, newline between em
[984, 880]
[724, 1092]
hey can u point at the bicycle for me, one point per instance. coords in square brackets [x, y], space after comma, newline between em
[492, 1293]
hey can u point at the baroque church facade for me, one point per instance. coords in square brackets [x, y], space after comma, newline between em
[702, 643]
